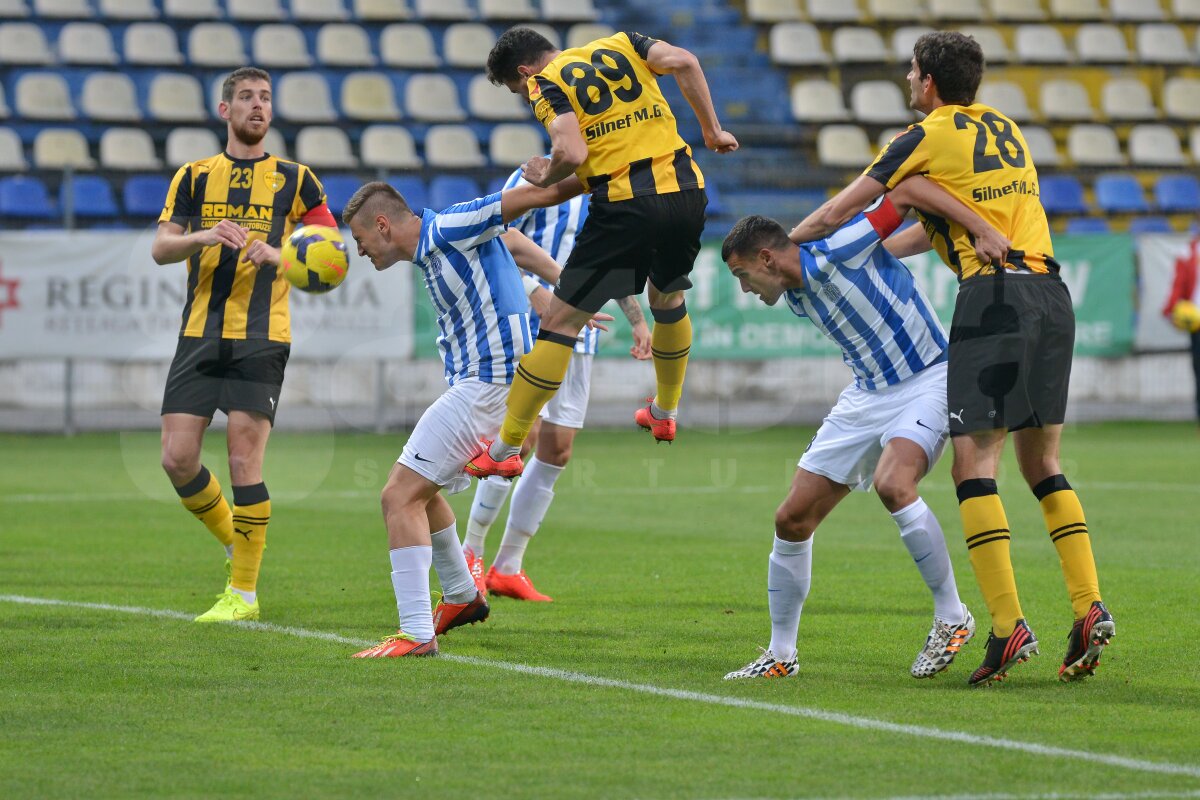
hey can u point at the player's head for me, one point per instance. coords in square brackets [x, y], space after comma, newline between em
[246, 104]
[757, 251]
[518, 55]
[374, 215]
[947, 67]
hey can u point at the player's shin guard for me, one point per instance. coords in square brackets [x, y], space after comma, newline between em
[490, 495]
[1068, 530]
[539, 374]
[670, 343]
[202, 496]
[985, 526]
[251, 513]
[531, 500]
[789, 575]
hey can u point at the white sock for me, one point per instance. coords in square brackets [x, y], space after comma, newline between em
[228, 550]
[530, 501]
[490, 495]
[451, 566]
[501, 450]
[249, 597]
[410, 581]
[659, 413]
[922, 535]
[789, 574]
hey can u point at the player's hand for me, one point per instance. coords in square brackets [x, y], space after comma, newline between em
[260, 254]
[721, 142]
[597, 318]
[536, 170]
[641, 342]
[991, 247]
[227, 233]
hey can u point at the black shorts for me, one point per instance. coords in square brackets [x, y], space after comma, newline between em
[1011, 345]
[229, 374]
[625, 242]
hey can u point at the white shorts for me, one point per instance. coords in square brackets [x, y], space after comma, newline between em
[850, 441]
[569, 405]
[448, 433]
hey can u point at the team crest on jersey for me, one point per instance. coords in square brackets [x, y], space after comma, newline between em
[831, 292]
[275, 180]
[433, 267]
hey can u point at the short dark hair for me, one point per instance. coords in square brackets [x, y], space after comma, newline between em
[751, 234]
[516, 47]
[955, 61]
[380, 196]
[242, 74]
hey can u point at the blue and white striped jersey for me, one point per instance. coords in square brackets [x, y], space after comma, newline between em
[554, 230]
[865, 300]
[483, 314]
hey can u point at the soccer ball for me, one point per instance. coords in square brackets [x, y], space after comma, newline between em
[313, 258]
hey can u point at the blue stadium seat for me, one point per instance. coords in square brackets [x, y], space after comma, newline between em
[93, 197]
[1120, 194]
[446, 190]
[416, 194]
[496, 184]
[1150, 225]
[1083, 225]
[144, 195]
[338, 191]
[26, 198]
[1062, 194]
[716, 207]
[1177, 193]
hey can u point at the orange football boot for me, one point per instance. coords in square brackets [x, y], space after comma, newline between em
[518, 586]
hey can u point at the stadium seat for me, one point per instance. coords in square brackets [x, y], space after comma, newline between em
[432, 98]
[446, 190]
[1094, 146]
[185, 145]
[1162, 44]
[818, 100]
[1065, 100]
[216, 44]
[773, 11]
[255, 10]
[855, 44]
[1041, 146]
[1016, 10]
[508, 10]
[442, 10]
[1136, 10]
[1177, 194]
[389, 147]
[24, 43]
[1006, 97]
[191, 9]
[1140, 225]
[1062, 194]
[344, 45]
[886, 135]
[1076, 10]
[990, 41]
[453, 146]
[583, 32]
[26, 197]
[62, 9]
[318, 10]
[894, 11]
[128, 149]
[1041, 44]
[153, 43]
[89, 197]
[274, 144]
[338, 191]
[546, 31]
[1087, 226]
[1127, 99]
[879, 103]
[1185, 10]
[321, 146]
[569, 11]
[834, 11]
[467, 45]
[409, 46]
[796, 44]
[304, 97]
[86, 43]
[109, 97]
[13, 9]
[128, 10]
[487, 101]
[844, 146]
[903, 40]
[61, 148]
[956, 10]
[1181, 98]
[43, 95]
[413, 190]
[280, 45]
[1194, 144]
[369, 96]
[381, 10]
[144, 195]
[512, 144]
[1120, 194]
[1101, 44]
[176, 97]
[12, 155]
[1155, 146]
[5, 111]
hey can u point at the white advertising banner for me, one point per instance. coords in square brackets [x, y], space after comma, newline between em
[100, 295]
[1156, 273]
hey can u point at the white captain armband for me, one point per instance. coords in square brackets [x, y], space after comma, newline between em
[531, 283]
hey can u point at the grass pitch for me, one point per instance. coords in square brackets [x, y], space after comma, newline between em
[656, 559]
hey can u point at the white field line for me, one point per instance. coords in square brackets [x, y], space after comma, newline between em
[1150, 795]
[863, 723]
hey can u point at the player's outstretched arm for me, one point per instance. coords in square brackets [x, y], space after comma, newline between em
[520, 200]
[172, 244]
[568, 151]
[909, 242]
[837, 210]
[665, 58]
[637, 321]
[530, 257]
[918, 191]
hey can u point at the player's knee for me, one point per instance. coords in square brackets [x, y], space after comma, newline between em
[895, 493]
[180, 464]
[556, 454]
[794, 523]
[244, 468]
[1036, 470]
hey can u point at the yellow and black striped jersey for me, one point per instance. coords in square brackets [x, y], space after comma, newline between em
[634, 148]
[227, 297]
[980, 156]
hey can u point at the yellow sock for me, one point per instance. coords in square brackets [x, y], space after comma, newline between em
[539, 374]
[251, 513]
[985, 526]
[670, 343]
[202, 496]
[1068, 530]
